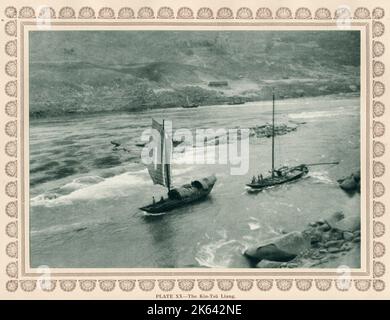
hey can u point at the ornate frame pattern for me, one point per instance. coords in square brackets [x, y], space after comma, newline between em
[372, 16]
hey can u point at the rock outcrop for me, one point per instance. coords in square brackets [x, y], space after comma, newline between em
[283, 248]
[350, 184]
[320, 242]
[266, 130]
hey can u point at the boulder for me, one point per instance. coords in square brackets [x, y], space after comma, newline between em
[315, 236]
[268, 264]
[356, 176]
[335, 218]
[336, 234]
[326, 236]
[324, 260]
[333, 243]
[356, 239]
[348, 184]
[321, 221]
[317, 255]
[358, 187]
[324, 227]
[346, 246]
[333, 249]
[356, 233]
[269, 252]
[350, 224]
[347, 235]
[351, 183]
[292, 265]
[283, 248]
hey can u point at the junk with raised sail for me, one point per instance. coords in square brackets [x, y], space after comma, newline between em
[160, 173]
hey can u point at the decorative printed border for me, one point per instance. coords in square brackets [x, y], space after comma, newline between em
[301, 13]
[373, 17]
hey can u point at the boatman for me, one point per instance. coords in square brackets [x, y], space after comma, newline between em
[154, 200]
[253, 179]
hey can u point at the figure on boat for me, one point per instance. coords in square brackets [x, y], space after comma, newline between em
[160, 173]
[279, 176]
[283, 174]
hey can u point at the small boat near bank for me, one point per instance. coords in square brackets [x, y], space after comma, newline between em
[190, 104]
[175, 143]
[160, 173]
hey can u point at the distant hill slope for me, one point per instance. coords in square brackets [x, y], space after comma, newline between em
[95, 71]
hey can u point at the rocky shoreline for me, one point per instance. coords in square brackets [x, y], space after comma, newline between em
[147, 99]
[328, 242]
[350, 184]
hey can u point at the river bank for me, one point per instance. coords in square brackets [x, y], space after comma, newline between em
[325, 243]
[52, 107]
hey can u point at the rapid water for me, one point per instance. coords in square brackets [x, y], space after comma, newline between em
[84, 196]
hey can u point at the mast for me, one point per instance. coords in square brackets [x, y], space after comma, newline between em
[167, 165]
[273, 133]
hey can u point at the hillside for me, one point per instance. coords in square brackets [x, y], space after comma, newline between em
[98, 71]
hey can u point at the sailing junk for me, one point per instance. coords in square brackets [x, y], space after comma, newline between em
[280, 175]
[189, 104]
[160, 169]
[160, 173]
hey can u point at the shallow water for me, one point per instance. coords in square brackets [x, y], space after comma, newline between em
[85, 196]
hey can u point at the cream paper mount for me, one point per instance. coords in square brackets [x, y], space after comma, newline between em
[19, 281]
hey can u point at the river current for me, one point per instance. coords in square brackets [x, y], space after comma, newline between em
[84, 196]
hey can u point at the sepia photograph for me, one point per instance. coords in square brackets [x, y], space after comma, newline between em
[194, 149]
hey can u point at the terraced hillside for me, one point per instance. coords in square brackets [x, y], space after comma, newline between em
[99, 71]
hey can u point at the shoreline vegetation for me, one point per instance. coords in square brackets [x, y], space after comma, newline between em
[63, 112]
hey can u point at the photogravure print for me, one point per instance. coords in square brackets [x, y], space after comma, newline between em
[372, 16]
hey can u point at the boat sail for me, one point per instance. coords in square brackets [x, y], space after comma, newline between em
[160, 169]
[160, 173]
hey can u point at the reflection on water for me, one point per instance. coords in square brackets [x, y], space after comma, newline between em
[162, 232]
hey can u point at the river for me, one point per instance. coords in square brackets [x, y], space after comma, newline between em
[84, 196]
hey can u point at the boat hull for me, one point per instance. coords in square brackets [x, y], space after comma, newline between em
[295, 174]
[236, 102]
[197, 194]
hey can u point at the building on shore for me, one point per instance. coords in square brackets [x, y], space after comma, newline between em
[218, 84]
